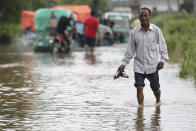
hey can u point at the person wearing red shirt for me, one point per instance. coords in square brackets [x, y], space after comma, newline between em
[90, 29]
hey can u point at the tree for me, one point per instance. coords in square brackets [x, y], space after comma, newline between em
[10, 11]
[101, 3]
[194, 8]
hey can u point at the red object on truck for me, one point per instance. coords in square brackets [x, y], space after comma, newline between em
[82, 11]
[27, 20]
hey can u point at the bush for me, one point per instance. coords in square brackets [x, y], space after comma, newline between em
[180, 30]
[9, 32]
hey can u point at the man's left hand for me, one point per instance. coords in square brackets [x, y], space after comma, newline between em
[160, 65]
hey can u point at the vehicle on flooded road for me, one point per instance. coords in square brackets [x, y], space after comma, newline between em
[46, 21]
[82, 12]
[121, 26]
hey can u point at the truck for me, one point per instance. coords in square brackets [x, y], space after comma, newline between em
[121, 26]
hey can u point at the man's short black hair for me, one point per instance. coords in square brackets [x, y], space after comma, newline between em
[93, 13]
[144, 8]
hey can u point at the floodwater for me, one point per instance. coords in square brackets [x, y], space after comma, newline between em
[41, 92]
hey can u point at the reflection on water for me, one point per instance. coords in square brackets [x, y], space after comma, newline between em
[155, 120]
[139, 124]
[45, 92]
[16, 87]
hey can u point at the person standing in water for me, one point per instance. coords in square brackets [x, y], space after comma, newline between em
[90, 29]
[146, 43]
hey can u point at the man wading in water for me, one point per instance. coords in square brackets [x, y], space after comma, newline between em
[143, 45]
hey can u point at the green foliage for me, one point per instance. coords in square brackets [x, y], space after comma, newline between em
[10, 16]
[180, 30]
[74, 2]
[101, 6]
[188, 66]
[10, 11]
[9, 32]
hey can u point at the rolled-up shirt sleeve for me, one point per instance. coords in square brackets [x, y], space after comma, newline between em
[130, 50]
[162, 47]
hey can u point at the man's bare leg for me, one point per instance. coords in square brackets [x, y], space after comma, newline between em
[157, 94]
[140, 95]
[91, 52]
[86, 51]
[92, 56]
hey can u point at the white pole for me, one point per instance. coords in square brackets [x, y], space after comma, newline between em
[169, 7]
[194, 8]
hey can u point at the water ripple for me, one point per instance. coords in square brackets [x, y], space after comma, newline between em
[44, 92]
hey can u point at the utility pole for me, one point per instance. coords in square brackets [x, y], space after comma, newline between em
[169, 7]
[95, 5]
[178, 4]
[194, 8]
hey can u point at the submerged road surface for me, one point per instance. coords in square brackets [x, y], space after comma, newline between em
[41, 92]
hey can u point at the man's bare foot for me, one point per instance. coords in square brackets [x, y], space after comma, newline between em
[141, 105]
[158, 103]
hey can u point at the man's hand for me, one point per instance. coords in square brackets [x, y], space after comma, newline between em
[120, 72]
[121, 68]
[160, 65]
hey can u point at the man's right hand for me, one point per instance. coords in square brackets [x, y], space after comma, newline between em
[121, 68]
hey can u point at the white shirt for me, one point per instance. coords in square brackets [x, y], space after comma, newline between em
[103, 29]
[146, 47]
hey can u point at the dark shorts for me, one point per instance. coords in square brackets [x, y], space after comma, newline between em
[90, 42]
[153, 78]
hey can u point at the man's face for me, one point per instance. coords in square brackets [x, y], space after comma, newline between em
[144, 17]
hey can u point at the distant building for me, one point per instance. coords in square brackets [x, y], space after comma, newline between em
[162, 5]
[187, 5]
[159, 5]
[117, 3]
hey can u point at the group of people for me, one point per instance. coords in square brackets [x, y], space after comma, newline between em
[146, 43]
[90, 31]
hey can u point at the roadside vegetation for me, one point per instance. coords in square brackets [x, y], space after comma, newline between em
[179, 30]
[10, 15]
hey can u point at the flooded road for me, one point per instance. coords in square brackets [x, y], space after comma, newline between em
[40, 92]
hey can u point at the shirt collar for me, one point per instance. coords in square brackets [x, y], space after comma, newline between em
[150, 27]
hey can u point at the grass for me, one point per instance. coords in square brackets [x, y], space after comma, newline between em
[179, 30]
[9, 32]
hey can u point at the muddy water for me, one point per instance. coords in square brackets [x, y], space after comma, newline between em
[42, 92]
